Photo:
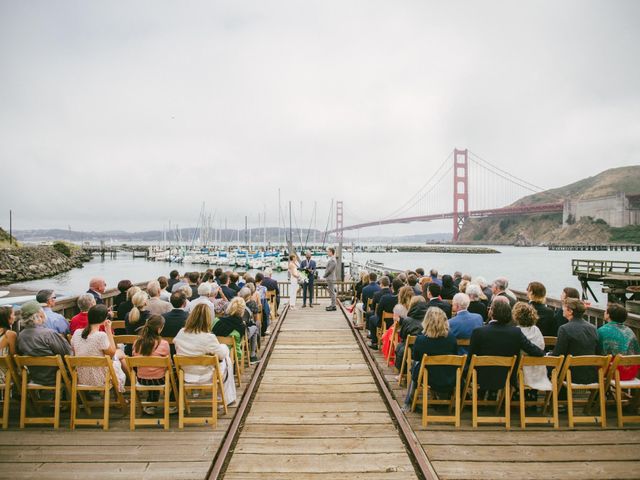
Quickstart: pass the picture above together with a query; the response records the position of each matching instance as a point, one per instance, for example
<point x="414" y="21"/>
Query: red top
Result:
<point x="80" y="321"/>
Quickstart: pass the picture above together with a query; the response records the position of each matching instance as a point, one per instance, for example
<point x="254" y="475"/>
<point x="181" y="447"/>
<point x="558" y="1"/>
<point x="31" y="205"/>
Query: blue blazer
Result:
<point x="463" y="324"/>
<point x="309" y="267"/>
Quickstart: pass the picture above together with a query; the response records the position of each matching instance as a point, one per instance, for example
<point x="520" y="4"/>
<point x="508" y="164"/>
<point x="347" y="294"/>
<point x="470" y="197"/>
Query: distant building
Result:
<point x="617" y="210"/>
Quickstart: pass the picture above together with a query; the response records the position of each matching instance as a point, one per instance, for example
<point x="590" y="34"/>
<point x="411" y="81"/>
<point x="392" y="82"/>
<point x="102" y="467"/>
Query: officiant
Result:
<point x="308" y="266"/>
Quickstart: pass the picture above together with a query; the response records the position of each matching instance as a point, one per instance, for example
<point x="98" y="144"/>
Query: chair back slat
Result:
<point x="626" y="360"/>
<point x="75" y="362"/>
<point x="117" y="324"/>
<point x="49" y="361"/>
<point x="200" y="360"/>
<point x="450" y="360"/>
<point x="600" y="361"/>
<point x="550" y="341"/>
<point x="126" y="339"/>
<point x="493" y="361"/>
<point x="554" y="362"/>
<point x="142" y="361"/>
<point x="464" y="342"/>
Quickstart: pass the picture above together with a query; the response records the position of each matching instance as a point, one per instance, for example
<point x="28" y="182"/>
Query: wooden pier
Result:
<point x="320" y="405"/>
<point x="604" y="247"/>
<point x="620" y="279"/>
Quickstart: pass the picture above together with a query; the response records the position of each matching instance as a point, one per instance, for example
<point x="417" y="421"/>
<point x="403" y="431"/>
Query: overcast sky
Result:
<point x="128" y="114"/>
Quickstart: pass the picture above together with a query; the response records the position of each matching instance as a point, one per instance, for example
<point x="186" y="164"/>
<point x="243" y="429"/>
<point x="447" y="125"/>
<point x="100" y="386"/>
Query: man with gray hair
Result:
<point x="206" y="294"/>
<point x="54" y="321"/>
<point x="499" y="288"/>
<point x="35" y="340"/>
<point x="156" y="305"/>
<point x="97" y="287"/>
<point x="463" y="323"/>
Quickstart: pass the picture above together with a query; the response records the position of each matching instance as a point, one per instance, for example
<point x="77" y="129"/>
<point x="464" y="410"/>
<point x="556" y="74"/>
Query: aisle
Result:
<point x="317" y="411"/>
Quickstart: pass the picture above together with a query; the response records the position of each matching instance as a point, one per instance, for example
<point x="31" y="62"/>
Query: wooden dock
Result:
<point x="318" y="411"/>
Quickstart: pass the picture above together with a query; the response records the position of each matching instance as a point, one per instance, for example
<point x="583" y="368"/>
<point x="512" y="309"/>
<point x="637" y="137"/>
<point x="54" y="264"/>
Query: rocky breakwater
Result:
<point x="21" y="264"/>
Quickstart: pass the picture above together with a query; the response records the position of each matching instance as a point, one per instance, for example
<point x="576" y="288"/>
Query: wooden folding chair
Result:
<point x="77" y="389"/>
<point x="595" y="389"/>
<point x="405" y="366"/>
<point x="463" y="342"/>
<point x="422" y="388"/>
<point x="383" y="326"/>
<point x="550" y="342"/>
<point x="623" y="388"/>
<point x="233" y="353"/>
<point x="184" y="402"/>
<point x="117" y="324"/>
<point x="125" y="339"/>
<point x="369" y="304"/>
<point x="504" y="395"/>
<point x="136" y="388"/>
<point x="551" y="394"/>
<point x="10" y="378"/>
<point x="28" y="389"/>
<point x="393" y="341"/>
<point x="246" y="351"/>
<point x="273" y="303"/>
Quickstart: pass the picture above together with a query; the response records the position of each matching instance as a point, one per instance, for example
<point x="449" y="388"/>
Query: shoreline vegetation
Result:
<point x="19" y="263"/>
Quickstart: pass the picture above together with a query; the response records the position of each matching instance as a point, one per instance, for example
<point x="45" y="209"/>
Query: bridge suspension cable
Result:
<point x="419" y="195"/>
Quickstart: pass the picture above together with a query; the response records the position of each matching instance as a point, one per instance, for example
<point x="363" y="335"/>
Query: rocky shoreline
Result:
<point x="22" y="264"/>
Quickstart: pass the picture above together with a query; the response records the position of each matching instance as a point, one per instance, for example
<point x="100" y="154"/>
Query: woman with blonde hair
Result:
<point x="435" y="340"/>
<point x="196" y="339"/>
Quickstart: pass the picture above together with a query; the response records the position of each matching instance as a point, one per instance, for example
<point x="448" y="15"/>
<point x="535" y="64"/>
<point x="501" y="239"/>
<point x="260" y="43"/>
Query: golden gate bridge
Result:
<point x="473" y="182"/>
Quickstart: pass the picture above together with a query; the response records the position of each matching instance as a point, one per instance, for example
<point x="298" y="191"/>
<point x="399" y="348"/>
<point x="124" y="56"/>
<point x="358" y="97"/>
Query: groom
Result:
<point x="330" y="277"/>
<point x="309" y="267"/>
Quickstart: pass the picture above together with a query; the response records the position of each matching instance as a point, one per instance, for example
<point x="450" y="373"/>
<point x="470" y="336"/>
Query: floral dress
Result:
<point x="94" y="346"/>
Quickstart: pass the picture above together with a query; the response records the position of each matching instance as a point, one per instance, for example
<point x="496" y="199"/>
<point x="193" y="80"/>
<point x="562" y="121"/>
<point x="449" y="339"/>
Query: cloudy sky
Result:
<point x="128" y="114"/>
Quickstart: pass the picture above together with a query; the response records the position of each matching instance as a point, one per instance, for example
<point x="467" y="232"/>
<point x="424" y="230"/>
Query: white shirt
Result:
<point x="195" y="344"/>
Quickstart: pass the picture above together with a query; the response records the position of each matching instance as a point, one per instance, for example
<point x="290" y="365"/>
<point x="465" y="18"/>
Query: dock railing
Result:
<point x="597" y="269"/>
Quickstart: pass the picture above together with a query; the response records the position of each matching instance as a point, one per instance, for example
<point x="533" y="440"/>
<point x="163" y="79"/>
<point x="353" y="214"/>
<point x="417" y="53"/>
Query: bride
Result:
<point x="294" y="277"/>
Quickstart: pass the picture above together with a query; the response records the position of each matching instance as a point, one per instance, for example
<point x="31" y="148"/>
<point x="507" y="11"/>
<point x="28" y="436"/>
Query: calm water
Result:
<point x="520" y="265"/>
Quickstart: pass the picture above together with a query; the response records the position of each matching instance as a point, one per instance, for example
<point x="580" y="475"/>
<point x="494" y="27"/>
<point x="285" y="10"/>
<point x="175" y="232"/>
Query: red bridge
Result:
<point x="490" y="176"/>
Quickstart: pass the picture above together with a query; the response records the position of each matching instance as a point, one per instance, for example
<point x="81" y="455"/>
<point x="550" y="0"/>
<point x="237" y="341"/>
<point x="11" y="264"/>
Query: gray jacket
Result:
<point x="330" y="270"/>
<point x="39" y="341"/>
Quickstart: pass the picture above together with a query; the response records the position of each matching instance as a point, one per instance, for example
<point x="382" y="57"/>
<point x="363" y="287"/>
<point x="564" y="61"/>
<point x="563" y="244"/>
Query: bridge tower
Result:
<point x="460" y="190"/>
<point x="339" y="237"/>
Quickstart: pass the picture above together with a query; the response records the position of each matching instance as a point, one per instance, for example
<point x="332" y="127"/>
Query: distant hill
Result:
<point x="609" y="182"/>
<point x="547" y="228"/>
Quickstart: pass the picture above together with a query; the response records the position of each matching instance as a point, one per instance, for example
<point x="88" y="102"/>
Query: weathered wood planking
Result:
<point x="318" y="412"/>
<point x="535" y="454"/>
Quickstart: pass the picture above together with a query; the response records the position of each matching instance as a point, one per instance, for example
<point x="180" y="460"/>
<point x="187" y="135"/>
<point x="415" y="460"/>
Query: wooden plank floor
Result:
<point x="490" y="452"/>
<point x="146" y="453"/>
<point x="317" y="413"/>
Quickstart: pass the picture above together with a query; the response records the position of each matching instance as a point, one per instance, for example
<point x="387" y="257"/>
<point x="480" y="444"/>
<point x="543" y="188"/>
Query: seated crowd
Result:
<point x="192" y="310"/>
<point x="458" y="315"/>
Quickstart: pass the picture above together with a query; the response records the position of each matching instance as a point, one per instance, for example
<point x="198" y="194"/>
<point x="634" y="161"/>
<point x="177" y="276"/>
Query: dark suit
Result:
<point x="386" y="304"/>
<point x="442" y="305"/>
<point x="229" y="293"/>
<point x="499" y="340"/>
<point x="272" y="286"/>
<point x="97" y="296"/>
<point x="578" y="337"/>
<point x="368" y="292"/>
<point x="478" y="307"/>
<point x="309" y="267"/>
<point x="174" y="320"/>
<point x="546" y="321"/>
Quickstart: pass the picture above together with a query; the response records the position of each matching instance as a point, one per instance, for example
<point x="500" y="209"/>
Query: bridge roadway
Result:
<point x="318" y="412"/>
